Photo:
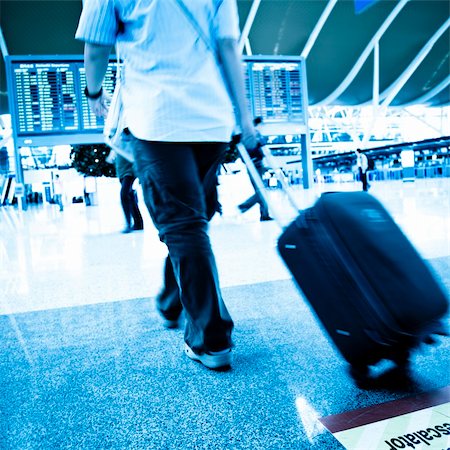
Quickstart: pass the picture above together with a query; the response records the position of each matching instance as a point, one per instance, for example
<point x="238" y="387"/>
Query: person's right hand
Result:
<point x="100" y="106"/>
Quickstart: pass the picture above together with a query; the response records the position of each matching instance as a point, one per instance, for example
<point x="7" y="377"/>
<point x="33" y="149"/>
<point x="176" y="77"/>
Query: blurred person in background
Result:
<point x="257" y="158"/>
<point x="58" y="192"/>
<point x="128" y="196"/>
<point x="362" y="164"/>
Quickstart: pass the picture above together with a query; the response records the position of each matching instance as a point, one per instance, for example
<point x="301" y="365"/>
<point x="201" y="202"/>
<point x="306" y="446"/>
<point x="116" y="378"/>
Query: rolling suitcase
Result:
<point x="373" y="293"/>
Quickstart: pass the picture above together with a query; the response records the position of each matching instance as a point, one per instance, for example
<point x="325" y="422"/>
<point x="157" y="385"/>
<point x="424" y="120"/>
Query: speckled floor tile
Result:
<point x="86" y="364"/>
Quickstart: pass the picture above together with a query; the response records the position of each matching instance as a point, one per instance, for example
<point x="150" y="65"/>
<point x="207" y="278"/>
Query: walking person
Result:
<point x="58" y="191"/>
<point x="178" y="102"/>
<point x="257" y="158"/>
<point x="128" y="196"/>
<point x="362" y="163"/>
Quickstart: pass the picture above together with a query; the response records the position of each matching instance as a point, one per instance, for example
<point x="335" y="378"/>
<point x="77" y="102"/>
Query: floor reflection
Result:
<point x="52" y="259"/>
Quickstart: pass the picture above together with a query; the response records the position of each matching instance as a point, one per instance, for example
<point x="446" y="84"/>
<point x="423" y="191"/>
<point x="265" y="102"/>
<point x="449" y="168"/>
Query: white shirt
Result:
<point x="172" y="88"/>
<point x="57" y="186"/>
<point x="362" y="161"/>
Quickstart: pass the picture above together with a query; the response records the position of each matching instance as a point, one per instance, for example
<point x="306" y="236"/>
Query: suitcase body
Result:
<point x="371" y="290"/>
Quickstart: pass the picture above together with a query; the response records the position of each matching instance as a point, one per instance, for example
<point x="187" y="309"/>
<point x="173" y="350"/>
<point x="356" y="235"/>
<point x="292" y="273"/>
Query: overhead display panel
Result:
<point x="276" y="91"/>
<point x="46" y="98"/>
<point x="47" y="103"/>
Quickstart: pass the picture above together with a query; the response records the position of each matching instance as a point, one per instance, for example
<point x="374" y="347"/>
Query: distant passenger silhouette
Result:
<point x="257" y="158"/>
<point x="362" y="163"/>
<point x="128" y="196"/>
<point x="58" y="191"/>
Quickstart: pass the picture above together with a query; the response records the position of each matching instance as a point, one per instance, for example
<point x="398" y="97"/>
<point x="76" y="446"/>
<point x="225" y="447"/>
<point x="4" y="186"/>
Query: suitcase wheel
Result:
<point x="402" y="358"/>
<point x="359" y="373"/>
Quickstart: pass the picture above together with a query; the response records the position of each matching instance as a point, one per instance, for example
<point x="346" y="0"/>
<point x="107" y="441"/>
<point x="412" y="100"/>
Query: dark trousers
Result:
<point x="59" y="201"/>
<point x="363" y="178"/>
<point x="179" y="181"/>
<point x="256" y="197"/>
<point x="128" y="198"/>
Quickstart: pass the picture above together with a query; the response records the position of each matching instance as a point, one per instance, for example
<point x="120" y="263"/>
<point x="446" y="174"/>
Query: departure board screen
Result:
<point x="276" y="89"/>
<point x="46" y="98"/>
<point x="48" y="105"/>
<point x="47" y="102"/>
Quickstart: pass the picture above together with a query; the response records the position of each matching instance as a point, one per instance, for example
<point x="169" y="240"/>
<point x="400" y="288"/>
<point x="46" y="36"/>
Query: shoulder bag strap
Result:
<point x="196" y="26"/>
<point x="118" y="66"/>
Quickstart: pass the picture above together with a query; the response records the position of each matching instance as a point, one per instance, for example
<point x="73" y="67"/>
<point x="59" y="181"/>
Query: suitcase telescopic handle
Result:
<point x="259" y="183"/>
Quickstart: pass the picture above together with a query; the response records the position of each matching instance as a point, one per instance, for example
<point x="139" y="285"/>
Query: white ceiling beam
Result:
<point x="3" y="47"/>
<point x="248" y="24"/>
<point x="439" y="132"/>
<point x="364" y="55"/>
<point x="376" y="76"/>
<point x="318" y="28"/>
<point x="396" y="87"/>
<point x="248" y="48"/>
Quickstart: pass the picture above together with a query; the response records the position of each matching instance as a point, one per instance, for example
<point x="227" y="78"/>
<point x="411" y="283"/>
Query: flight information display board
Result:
<point x="48" y="106"/>
<point x="47" y="103"/>
<point x="276" y="91"/>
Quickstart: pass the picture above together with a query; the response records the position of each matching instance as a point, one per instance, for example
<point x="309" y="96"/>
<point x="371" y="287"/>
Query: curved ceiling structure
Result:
<point x="400" y="27"/>
<point x="410" y="37"/>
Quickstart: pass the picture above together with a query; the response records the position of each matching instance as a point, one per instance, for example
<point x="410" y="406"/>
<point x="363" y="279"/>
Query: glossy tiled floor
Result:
<point x="106" y="374"/>
<point x="52" y="259"/>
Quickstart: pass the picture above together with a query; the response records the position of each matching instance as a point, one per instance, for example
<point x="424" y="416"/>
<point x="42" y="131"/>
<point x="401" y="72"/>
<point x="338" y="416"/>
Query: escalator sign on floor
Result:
<point x="424" y="429"/>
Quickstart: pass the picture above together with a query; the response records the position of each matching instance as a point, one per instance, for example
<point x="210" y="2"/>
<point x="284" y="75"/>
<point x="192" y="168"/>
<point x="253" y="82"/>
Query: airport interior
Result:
<point x="85" y="359"/>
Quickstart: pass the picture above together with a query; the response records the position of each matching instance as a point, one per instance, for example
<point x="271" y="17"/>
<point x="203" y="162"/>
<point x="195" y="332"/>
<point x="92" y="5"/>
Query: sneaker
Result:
<point x="211" y="360"/>
<point x="265" y="218"/>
